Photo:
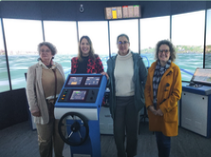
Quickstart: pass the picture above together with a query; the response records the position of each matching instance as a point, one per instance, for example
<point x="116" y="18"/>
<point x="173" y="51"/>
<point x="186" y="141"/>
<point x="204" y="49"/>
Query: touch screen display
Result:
<point x="78" y="95"/>
<point x="202" y="76"/>
<point x="73" y="81"/>
<point x="90" y="81"/>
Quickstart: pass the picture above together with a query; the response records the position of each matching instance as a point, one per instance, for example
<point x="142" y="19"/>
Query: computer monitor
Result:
<point x="78" y="95"/>
<point x="74" y="81"/>
<point x="202" y="76"/>
<point x="92" y="81"/>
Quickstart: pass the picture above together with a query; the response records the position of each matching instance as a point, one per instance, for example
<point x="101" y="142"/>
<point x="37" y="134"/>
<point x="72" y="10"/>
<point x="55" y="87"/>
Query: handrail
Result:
<point x="147" y="60"/>
<point x="186" y="71"/>
<point x="180" y="68"/>
<point x="143" y="56"/>
<point x="67" y="71"/>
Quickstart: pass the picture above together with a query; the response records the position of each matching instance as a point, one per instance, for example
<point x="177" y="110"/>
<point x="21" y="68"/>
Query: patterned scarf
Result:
<point x="159" y="71"/>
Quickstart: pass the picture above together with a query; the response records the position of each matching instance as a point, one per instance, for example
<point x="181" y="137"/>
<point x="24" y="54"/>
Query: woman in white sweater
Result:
<point x="127" y="76"/>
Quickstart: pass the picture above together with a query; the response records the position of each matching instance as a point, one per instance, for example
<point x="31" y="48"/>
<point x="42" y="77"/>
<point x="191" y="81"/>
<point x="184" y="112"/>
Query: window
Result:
<point x="63" y="35"/>
<point x="22" y="38"/>
<point x="4" y="82"/>
<point x="128" y="27"/>
<point x="98" y="33"/>
<point x="208" y="41"/>
<point x="152" y="31"/>
<point x="188" y="39"/>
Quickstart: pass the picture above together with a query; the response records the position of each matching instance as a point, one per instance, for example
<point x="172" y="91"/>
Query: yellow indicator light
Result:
<point x="114" y="14"/>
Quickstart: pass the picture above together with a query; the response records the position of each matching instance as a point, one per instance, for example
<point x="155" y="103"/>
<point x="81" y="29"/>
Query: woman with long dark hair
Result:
<point x="86" y="61"/>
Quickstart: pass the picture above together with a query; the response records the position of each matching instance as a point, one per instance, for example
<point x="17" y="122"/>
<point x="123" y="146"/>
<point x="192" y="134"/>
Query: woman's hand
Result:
<point x="36" y="113"/>
<point x="159" y="112"/>
<point x="104" y="73"/>
<point x="152" y="109"/>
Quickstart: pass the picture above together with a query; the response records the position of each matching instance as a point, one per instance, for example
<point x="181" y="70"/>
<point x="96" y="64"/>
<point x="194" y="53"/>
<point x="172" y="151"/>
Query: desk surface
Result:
<point x="196" y="88"/>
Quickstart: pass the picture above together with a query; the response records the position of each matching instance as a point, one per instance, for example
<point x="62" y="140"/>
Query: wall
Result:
<point x="69" y="10"/>
<point x="13" y="108"/>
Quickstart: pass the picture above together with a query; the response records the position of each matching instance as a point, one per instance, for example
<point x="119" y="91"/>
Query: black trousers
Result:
<point x="126" y="120"/>
<point x="163" y="144"/>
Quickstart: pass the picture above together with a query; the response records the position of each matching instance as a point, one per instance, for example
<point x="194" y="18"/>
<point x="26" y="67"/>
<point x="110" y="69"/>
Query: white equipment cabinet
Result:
<point x="194" y="112"/>
<point x="196" y="109"/>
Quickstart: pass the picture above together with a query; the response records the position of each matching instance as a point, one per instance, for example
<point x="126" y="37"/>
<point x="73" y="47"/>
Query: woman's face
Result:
<point x="45" y="53"/>
<point x="85" y="47"/>
<point x="123" y="45"/>
<point x="164" y="53"/>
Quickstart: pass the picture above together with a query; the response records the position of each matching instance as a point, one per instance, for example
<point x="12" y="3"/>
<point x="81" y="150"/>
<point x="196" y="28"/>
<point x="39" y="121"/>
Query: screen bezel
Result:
<point x="82" y="81"/>
<point x="70" y="100"/>
<point x="100" y="77"/>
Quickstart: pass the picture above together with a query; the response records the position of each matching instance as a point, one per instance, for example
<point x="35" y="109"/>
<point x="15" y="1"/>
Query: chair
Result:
<point x="143" y="116"/>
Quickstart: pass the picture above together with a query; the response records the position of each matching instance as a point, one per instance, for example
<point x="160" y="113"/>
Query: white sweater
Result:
<point x="123" y="75"/>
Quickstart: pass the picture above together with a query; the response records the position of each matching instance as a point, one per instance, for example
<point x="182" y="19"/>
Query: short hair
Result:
<point x="171" y="49"/>
<point x="91" y="52"/>
<point x="49" y="45"/>
<point x="122" y="35"/>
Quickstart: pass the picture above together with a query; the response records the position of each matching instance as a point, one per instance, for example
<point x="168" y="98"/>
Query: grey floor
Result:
<point x="20" y="141"/>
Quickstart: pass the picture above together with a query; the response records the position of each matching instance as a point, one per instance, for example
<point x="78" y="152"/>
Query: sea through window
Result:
<point x="208" y="41"/>
<point x="152" y="31"/>
<point x="22" y="38"/>
<point x="128" y="27"/>
<point x="4" y="82"/>
<point x="63" y="35"/>
<point x="188" y="39"/>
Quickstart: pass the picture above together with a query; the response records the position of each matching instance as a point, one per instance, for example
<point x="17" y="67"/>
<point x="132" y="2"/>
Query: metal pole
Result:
<point x="6" y="55"/>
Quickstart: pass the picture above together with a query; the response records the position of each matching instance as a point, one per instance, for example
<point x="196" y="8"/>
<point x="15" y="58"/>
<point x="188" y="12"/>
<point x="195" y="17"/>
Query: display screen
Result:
<point x="78" y="95"/>
<point x="92" y="81"/>
<point x="202" y="76"/>
<point x="75" y="81"/>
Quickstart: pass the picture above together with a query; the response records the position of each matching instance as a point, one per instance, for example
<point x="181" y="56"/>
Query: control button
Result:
<point x="62" y="98"/>
<point x="64" y="95"/>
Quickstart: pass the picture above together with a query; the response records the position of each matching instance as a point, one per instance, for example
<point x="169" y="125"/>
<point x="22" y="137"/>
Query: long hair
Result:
<point x="91" y="52"/>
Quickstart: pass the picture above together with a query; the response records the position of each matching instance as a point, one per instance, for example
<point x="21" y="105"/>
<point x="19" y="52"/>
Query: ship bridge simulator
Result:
<point x="78" y="108"/>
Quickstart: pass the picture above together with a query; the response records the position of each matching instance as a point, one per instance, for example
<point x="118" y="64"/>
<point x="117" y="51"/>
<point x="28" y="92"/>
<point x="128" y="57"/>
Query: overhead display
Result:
<point x="78" y="95"/>
<point x="202" y="76"/>
<point x="92" y="81"/>
<point x="74" y="81"/>
<point x="121" y="12"/>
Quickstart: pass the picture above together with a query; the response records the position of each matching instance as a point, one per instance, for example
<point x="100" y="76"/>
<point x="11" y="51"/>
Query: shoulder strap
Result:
<point x="35" y="82"/>
<point x="54" y="71"/>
